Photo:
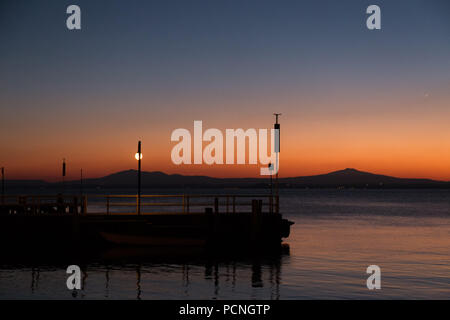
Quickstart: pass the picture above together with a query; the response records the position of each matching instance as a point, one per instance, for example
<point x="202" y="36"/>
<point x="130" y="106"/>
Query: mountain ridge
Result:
<point x="348" y="177"/>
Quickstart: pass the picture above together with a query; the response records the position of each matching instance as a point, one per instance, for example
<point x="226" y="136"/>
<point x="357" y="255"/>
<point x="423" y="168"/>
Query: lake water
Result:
<point x="337" y="234"/>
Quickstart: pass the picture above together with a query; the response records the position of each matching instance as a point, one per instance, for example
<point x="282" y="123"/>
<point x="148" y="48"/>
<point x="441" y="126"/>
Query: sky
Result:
<point x="375" y="100"/>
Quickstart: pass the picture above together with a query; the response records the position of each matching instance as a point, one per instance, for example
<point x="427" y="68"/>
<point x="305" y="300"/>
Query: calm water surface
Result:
<point x="337" y="234"/>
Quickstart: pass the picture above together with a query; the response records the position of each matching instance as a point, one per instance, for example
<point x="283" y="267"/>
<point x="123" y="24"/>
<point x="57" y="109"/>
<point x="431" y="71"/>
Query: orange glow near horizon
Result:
<point x="314" y="140"/>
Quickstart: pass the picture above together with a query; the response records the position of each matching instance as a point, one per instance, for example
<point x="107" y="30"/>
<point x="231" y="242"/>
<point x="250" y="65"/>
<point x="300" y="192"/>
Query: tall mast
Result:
<point x="276" y="126"/>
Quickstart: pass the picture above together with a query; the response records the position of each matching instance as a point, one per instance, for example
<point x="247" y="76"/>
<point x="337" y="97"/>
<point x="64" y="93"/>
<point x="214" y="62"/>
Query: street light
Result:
<point x="138" y="157"/>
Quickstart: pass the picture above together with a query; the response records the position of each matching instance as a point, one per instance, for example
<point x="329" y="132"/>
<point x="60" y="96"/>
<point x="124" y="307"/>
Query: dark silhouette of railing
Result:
<point x="43" y="204"/>
<point x="129" y="204"/>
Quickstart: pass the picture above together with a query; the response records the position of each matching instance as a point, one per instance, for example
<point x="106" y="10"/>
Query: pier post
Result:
<point x="85" y="204"/>
<point x="60" y="202"/>
<point x="271" y="204"/>
<point x="256" y="206"/>
<point x="75" y="205"/>
<point x="33" y="210"/>
<point x="228" y="199"/>
<point x="63" y="175"/>
<point x="216" y="205"/>
<point x="187" y="204"/>
<point x="184" y="204"/>
<point x="256" y="219"/>
<point x="277" y="206"/>
<point x="234" y="204"/>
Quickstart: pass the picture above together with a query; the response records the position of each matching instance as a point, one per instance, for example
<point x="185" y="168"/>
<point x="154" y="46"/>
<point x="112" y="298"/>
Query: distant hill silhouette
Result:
<point x="342" y="178"/>
<point x="353" y="177"/>
<point x="128" y="178"/>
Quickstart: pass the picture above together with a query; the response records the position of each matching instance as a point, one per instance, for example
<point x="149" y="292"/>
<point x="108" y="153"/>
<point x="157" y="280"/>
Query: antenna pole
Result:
<point x="81" y="192"/>
<point x="271" y="186"/>
<point x="276" y="126"/>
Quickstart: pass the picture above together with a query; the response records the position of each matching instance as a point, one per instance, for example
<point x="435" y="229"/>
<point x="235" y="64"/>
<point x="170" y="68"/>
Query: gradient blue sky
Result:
<point x="139" y="69"/>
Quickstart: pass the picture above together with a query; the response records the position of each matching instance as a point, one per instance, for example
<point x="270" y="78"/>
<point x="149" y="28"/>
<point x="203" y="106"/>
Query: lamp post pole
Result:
<point x="139" y="177"/>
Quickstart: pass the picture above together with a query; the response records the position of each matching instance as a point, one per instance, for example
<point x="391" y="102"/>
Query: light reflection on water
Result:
<point x="336" y="235"/>
<point x="162" y="279"/>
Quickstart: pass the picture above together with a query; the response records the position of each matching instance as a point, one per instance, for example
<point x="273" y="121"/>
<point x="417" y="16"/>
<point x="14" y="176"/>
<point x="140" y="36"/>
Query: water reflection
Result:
<point x="138" y="282"/>
<point x="34" y="279"/>
<point x="109" y="273"/>
<point x="106" y="282"/>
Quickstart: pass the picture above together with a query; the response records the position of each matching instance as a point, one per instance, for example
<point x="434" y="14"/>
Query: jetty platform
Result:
<point x="227" y="221"/>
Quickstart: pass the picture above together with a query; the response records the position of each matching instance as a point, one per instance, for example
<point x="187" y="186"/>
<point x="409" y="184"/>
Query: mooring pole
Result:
<point x="139" y="177"/>
<point x="3" y="184"/>
<point x="81" y="190"/>
<point x="63" y="174"/>
<point x="81" y="182"/>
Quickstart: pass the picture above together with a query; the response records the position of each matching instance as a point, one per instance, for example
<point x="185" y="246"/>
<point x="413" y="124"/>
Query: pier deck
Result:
<point x="163" y="220"/>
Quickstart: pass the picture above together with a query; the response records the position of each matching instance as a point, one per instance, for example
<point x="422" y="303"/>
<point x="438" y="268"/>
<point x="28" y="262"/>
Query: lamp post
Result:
<point x="138" y="157"/>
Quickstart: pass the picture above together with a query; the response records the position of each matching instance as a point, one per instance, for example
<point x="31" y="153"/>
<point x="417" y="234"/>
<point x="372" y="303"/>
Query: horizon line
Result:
<point x="223" y="178"/>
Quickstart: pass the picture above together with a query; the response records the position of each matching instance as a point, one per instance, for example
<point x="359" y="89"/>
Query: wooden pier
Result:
<point x="163" y="220"/>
